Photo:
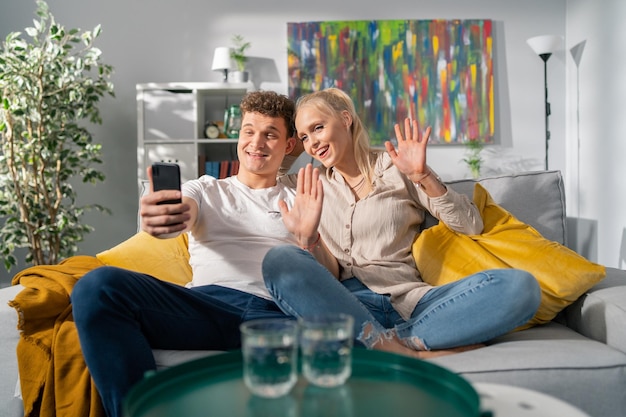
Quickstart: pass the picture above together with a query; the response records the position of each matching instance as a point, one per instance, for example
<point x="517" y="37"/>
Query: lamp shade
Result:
<point x="577" y="51"/>
<point x="545" y="44"/>
<point x="221" y="59"/>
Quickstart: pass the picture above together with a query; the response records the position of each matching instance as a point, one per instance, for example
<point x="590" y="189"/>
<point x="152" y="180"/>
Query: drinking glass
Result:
<point x="270" y="356"/>
<point x="326" y="343"/>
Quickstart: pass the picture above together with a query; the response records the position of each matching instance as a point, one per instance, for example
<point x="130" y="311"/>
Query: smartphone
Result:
<point x="166" y="176"/>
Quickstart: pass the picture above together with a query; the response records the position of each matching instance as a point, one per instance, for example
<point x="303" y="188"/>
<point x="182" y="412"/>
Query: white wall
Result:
<point x="174" y="41"/>
<point x="596" y="168"/>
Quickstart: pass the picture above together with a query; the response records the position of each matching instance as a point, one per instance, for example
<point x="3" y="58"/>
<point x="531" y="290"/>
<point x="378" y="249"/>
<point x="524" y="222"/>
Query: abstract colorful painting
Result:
<point x="439" y="72"/>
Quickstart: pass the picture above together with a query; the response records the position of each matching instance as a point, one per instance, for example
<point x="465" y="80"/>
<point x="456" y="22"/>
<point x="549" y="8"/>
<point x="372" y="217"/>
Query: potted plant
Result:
<point x="238" y="54"/>
<point x="50" y="86"/>
<point x="473" y="158"/>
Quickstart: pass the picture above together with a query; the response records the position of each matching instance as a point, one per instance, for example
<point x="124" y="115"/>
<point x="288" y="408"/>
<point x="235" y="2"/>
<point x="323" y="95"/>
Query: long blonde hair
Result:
<point x="333" y="102"/>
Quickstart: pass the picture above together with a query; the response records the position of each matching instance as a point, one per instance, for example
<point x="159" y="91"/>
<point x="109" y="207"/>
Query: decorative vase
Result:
<point x="239" y="76"/>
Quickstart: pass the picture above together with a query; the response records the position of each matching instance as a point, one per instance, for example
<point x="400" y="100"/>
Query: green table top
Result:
<point x="382" y="384"/>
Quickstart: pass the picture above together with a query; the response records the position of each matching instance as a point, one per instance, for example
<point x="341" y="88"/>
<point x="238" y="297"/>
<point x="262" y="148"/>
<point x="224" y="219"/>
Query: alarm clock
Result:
<point x="211" y="130"/>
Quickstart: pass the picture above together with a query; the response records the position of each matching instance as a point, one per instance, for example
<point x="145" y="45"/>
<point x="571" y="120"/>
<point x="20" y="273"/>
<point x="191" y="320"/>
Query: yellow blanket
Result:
<point x="54" y="379"/>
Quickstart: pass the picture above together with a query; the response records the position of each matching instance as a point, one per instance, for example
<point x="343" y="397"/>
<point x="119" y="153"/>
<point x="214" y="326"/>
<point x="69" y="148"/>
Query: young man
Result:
<point x="122" y="315"/>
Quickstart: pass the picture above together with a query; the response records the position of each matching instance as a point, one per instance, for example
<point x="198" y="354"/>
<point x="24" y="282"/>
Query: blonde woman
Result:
<point x="373" y="205"/>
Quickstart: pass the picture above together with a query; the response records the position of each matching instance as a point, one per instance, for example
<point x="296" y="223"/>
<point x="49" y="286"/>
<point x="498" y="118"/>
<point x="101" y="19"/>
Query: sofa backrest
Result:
<point x="535" y="198"/>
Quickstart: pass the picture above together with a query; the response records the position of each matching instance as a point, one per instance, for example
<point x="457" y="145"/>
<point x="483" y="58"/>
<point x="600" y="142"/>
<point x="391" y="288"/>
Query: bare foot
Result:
<point x="394" y="345"/>
<point x="443" y="352"/>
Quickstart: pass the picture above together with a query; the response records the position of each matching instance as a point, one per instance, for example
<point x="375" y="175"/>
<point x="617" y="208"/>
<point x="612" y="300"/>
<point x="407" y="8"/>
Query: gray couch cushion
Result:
<point x="168" y="358"/>
<point x="600" y="314"/>
<point x="552" y="359"/>
<point x="535" y="198"/>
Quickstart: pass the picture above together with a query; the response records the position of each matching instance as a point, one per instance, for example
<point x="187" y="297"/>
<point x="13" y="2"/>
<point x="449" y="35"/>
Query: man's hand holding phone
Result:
<point x="163" y="214"/>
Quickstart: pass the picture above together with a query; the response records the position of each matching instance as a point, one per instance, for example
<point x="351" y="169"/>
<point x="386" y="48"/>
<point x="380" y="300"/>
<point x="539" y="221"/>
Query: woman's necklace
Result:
<point x="357" y="187"/>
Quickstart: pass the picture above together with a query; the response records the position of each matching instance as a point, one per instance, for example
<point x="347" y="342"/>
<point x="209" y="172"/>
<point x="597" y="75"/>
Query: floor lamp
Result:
<point x="544" y="46"/>
<point x="577" y="53"/>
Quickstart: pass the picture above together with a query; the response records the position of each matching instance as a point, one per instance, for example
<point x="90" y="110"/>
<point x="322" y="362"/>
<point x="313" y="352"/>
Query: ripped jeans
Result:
<point x="472" y="310"/>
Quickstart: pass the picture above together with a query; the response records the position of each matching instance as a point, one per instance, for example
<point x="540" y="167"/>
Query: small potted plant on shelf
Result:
<point x="238" y="54"/>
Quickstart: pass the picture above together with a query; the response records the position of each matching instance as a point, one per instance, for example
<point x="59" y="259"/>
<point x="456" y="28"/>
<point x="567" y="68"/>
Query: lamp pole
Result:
<point x="545" y="58"/>
<point x="544" y="46"/>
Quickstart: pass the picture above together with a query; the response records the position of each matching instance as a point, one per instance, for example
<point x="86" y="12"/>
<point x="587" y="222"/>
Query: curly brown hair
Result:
<point x="271" y="104"/>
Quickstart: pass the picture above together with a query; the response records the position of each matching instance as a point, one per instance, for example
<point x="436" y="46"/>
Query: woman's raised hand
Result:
<point x="304" y="217"/>
<point x="410" y="157"/>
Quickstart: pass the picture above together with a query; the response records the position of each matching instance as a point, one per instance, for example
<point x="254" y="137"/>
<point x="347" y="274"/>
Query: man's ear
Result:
<point x="291" y="144"/>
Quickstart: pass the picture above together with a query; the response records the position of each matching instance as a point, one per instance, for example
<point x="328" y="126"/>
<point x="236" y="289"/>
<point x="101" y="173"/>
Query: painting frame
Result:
<point x="438" y="72"/>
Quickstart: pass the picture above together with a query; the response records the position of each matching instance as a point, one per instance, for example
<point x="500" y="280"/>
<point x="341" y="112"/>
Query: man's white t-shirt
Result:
<point x="236" y="227"/>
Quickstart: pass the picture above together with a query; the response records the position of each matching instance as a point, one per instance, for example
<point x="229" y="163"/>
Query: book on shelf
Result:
<point x="234" y="167"/>
<point x="221" y="169"/>
<point x="201" y="165"/>
<point x="224" y="169"/>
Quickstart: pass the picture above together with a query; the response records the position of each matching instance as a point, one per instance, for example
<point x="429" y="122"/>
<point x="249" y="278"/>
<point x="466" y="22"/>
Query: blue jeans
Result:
<point x="472" y="310"/>
<point x="122" y="315"/>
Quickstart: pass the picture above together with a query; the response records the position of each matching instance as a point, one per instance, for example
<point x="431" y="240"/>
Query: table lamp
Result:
<point x="222" y="61"/>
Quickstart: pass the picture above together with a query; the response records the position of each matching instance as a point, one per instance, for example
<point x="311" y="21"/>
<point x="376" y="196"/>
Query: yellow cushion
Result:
<point x="166" y="259"/>
<point x="444" y="256"/>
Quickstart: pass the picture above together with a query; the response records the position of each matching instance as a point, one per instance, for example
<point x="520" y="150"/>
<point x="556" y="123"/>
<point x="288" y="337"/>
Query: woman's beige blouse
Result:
<point x="372" y="238"/>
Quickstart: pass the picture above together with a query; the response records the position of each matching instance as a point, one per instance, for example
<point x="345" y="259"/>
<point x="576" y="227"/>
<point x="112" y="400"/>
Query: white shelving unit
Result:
<point x="170" y="124"/>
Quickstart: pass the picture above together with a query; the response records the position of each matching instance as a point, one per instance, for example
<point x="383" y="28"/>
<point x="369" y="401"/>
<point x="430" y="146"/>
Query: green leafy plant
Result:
<point x="238" y="53"/>
<point x="49" y="87"/>
<point x="473" y="158"/>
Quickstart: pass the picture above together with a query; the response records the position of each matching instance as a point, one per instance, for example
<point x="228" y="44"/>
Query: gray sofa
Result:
<point x="580" y="357"/>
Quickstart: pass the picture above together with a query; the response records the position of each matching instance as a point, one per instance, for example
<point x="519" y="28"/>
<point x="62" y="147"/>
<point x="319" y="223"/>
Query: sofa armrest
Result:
<point x="600" y="313"/>
<point x="9" y="336"/>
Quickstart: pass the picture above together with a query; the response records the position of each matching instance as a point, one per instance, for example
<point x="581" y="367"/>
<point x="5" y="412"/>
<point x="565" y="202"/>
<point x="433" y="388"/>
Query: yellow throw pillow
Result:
<point x="443" y="256"/>
<point x="165" y="259"/>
